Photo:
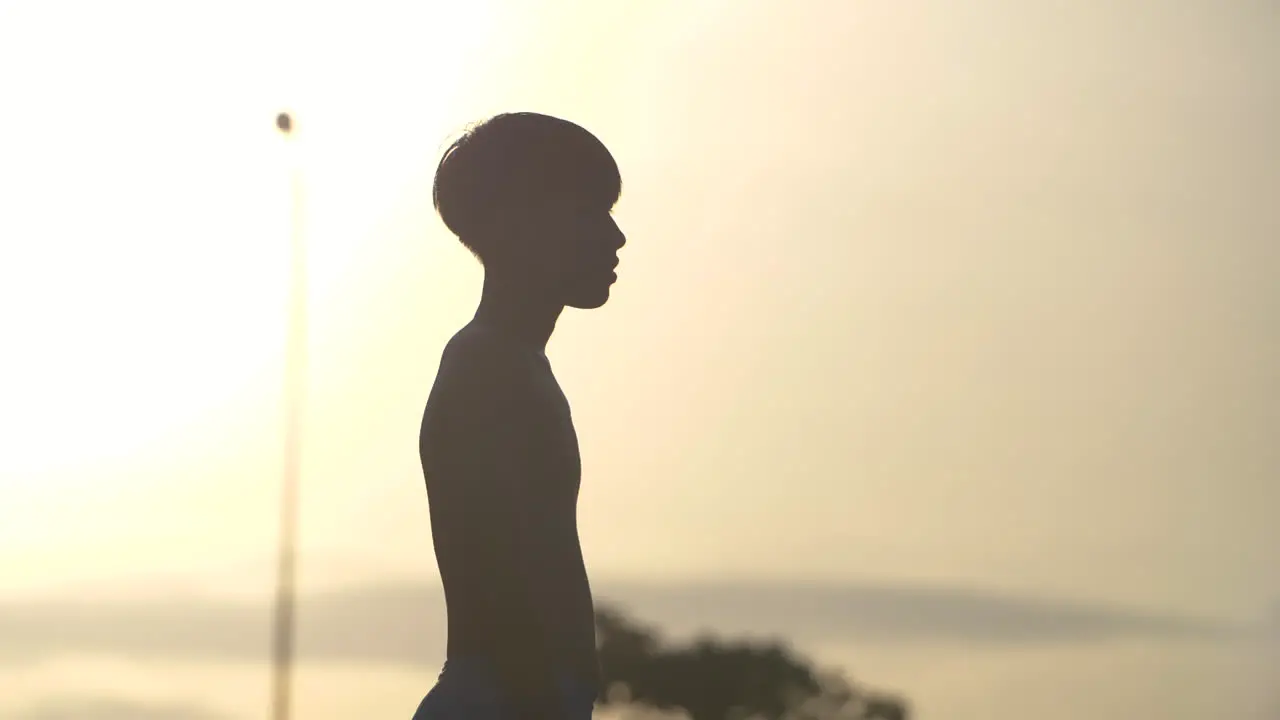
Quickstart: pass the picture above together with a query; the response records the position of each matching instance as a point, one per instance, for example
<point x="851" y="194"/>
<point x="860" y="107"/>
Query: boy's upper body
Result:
<point x="531" y="196"/>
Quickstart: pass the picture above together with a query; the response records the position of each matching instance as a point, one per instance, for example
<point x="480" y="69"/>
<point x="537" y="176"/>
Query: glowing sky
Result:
<point x="981" y="293"/>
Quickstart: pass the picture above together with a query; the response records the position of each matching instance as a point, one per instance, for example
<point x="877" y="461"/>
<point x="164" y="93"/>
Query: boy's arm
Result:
<point x="488" y="455"/>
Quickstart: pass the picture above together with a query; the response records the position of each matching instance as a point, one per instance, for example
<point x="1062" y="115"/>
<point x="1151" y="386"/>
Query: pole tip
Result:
<point x="284" y="122"/>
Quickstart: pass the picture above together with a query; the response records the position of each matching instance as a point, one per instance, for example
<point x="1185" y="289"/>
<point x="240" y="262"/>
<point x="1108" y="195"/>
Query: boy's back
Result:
<point x="502" y="468"/>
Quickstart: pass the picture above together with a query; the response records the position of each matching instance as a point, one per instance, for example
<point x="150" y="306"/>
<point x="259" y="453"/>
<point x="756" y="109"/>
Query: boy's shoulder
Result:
<point x="482" y="377"/>
<point x="476" y="348"/>
<point x="478" y="359"/>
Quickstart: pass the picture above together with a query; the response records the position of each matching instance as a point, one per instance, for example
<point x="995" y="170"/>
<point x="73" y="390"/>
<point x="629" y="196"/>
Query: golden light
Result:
<point x="147" y="195"/>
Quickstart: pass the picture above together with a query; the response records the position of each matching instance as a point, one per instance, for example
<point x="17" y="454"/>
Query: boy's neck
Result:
<point x="511" y="308"/>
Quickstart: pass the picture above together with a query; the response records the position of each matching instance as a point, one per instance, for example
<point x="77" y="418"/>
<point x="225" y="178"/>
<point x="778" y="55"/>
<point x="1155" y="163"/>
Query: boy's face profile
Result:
<point x="574" y="253"/>
<point x="530" y="195"/>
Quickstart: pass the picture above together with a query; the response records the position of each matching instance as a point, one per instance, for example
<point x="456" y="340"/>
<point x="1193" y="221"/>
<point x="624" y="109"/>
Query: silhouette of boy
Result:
<point x="530" y="195"/>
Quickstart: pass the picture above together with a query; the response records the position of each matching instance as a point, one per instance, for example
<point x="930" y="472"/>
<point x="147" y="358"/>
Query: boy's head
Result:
<point x="530" y="195"/>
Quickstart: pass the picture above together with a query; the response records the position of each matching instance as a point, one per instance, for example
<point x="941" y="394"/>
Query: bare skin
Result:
<point x="500" y="455"/>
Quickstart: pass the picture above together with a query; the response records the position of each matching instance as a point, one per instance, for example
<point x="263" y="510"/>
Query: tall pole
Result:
<point x="282" y="648"/>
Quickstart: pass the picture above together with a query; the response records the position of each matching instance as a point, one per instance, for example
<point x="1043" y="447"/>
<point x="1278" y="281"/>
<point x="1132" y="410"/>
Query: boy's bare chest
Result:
<point x="557" y="438"/>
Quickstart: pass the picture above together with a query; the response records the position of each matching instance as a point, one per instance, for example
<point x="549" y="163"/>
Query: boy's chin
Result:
<point x="588" y="300"/>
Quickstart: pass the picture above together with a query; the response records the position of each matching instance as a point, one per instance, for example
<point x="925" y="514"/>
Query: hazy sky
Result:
<point x="977" y="293"/>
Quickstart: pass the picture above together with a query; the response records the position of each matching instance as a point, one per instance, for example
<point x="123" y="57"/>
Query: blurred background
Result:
<point x="946" y="345"/>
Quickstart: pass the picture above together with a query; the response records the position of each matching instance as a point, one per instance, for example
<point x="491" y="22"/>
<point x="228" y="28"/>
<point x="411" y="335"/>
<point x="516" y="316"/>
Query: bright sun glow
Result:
<point x="144" y="266"/>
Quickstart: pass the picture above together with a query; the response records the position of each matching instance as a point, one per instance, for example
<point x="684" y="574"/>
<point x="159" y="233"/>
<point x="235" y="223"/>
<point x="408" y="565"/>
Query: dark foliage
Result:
<point x="714" y="679"/>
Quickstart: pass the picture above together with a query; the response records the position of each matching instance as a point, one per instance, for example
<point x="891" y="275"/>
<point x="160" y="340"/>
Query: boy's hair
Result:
<point x="515" y="162"/>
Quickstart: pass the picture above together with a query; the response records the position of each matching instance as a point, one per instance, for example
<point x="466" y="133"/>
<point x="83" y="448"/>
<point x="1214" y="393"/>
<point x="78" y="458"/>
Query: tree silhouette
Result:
<point x="713" y="679"/>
